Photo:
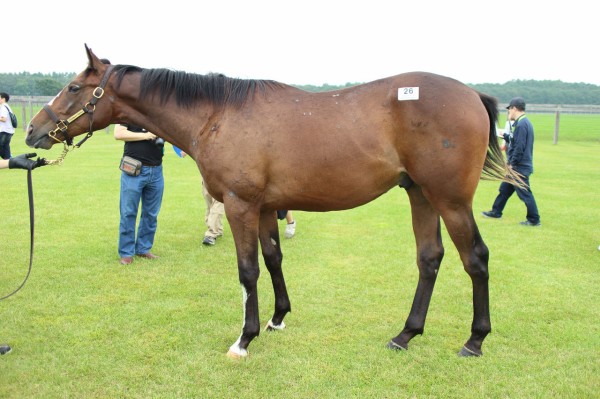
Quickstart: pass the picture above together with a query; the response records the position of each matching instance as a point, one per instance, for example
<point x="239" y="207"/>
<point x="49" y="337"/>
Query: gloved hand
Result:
<point x="506" y="137"/>
<point x="23" y="162"/>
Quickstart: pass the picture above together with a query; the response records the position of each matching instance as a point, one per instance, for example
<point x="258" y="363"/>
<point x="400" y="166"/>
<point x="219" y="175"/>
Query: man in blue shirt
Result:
<point x="520" y="157"/>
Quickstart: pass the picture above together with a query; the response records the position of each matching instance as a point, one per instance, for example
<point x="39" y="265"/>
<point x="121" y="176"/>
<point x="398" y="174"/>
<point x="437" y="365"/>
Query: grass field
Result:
<point x="86" y="327"/>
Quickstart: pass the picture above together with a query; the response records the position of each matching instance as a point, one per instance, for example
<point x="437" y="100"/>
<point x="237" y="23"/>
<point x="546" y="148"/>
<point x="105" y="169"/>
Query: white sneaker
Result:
<point x="290" y="230"/>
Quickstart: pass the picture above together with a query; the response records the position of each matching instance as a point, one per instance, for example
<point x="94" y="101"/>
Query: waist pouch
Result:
<point x="131" y="166"/>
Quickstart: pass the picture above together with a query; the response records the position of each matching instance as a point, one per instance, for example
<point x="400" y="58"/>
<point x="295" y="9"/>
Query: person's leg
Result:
<point x="290" y="227"/>
<point x="152" y="195"/>
<point x="505" y="191"/>
<point x="4" y="145"/>
<point x="10" y="136"/>
<point x="214" y="221"/>
<point x="526" y="195"/>
<point x="289" y="217"/>
<point x="129" y="202"/>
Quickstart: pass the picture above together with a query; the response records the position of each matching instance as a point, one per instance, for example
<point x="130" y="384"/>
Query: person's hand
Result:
<point x="506" y="137"/>
<point x="23" y="161"/>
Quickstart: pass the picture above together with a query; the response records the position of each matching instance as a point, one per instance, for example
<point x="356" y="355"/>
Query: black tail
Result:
<point x="495" y="166"/>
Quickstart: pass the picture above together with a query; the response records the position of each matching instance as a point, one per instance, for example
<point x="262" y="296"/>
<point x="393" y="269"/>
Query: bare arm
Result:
<point x="121" y="133"/>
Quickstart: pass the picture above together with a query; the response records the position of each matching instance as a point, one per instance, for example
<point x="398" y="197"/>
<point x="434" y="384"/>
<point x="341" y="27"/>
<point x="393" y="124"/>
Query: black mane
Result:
<point x="189" y="88"/>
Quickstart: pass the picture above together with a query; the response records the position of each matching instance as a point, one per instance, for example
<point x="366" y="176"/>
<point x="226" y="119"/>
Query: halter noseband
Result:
<point x="89" y="108"/>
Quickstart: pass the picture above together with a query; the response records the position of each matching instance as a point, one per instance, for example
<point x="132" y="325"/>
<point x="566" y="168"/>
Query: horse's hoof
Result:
<point x="236" y="356"/>
<point x="395" y="346"/>
<point x="237" y="353"/>
<point x="466" y="352"/>
<point x="272" y="327"/>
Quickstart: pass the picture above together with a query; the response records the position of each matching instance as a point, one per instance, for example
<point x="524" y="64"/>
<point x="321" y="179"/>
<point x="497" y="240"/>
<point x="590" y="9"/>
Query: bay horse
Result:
<point x="262" y="145"/>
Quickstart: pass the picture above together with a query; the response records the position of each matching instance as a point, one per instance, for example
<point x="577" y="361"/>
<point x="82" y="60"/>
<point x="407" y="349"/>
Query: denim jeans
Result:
<point x="506" y="190"/>
<point x="148" y="188"/>
<point x="5" y="139"/>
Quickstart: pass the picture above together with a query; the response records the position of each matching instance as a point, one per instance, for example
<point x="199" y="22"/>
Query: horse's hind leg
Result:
<point x="271" y="250"/>
<point x="474" y="254"/>
<point x="426" y="227"/>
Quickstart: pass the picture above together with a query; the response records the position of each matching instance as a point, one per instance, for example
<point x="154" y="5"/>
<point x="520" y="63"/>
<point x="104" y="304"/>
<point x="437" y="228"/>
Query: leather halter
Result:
<point x="89" y="108"/>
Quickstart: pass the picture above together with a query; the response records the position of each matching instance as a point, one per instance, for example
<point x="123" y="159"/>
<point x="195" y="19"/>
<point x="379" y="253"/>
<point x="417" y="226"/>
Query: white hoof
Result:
<point x="235" y="352"/>
<point x="270" y="326"/>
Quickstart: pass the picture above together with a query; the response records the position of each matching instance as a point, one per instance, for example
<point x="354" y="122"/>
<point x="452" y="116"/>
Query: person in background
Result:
<point x="19" y="162"/>
<point x="290" y="227"/>
<point x="520" y="158"/>
<point x="213" y="218"/>
<point x="6" y="128"/>
<point x="146" y="187"/>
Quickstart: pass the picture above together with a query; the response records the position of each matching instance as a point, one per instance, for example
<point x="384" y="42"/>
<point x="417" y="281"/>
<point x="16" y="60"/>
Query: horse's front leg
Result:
<point x="243" y="221"/>
<point x="268" y="235"/>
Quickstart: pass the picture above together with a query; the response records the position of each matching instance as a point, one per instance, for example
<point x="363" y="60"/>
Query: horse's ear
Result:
<point x="94" y="62"/>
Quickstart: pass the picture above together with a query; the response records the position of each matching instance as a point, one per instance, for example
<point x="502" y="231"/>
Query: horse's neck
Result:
<point x="179" y="126"/>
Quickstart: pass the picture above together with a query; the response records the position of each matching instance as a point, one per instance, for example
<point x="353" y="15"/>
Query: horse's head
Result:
<point x="81" y="107"/>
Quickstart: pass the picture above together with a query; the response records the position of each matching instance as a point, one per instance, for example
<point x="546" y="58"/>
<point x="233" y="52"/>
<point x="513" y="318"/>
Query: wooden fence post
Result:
<point x="23" y="122"/>
<point x="556" y="124"/>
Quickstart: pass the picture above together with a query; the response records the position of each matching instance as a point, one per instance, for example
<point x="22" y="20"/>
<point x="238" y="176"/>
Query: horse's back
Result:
<point x="340" y="149"/>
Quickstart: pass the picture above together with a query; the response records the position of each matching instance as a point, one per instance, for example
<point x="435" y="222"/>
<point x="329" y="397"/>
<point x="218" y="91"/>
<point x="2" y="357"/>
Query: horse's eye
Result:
<point x="73" y="88"/>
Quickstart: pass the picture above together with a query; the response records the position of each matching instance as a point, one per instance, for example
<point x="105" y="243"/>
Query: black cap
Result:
<point x="517" y="102"/>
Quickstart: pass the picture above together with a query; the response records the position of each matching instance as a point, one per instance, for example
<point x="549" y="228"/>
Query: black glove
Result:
<point x="23" y="162"/>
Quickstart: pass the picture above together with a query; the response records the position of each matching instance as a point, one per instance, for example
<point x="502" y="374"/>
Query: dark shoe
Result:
<point x="4" y="349"/>
<point x="491" y="214"/>
<point x="127" y="260"/>
<point x="148" y="255"/>
<point x="531" y="224"/>
<point x="209" y="240"/>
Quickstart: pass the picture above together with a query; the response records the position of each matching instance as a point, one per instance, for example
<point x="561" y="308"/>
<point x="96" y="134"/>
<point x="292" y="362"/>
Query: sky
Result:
<point x="311" y="42"/>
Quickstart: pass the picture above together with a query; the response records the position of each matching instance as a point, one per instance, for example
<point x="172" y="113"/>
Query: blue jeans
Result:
<point x="148" y="188"/>
<point x="506" y="191"/>
<point x="5" y="139"/>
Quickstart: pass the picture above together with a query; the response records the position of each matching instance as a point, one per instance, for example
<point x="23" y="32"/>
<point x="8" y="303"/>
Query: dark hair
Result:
<point x="5" y="96"/>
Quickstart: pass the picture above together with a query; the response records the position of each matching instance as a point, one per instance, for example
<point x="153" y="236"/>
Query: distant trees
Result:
<point x="34" y="84"/>
<point x="543" y="91"/>
<point x="534" y="91"/>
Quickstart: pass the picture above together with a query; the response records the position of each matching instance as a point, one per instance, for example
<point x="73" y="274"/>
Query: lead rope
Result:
<point x="57" y="162"/>
<point x="98" y="93"/>
<point x="31" y="230"/>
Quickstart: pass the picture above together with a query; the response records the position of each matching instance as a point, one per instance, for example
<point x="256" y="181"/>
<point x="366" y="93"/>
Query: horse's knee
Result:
<point x="273" y="259"/>
<point x="429" y="261"/>
<point x="248" y="275"/>
<point x="477" y="267"/>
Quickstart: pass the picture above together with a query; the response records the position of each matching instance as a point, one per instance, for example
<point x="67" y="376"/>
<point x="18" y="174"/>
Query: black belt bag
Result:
<point x="131" y="166"/>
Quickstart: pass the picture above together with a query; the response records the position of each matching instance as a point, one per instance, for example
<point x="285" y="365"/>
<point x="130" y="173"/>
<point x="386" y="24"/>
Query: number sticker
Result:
<point x="408" y="93"/>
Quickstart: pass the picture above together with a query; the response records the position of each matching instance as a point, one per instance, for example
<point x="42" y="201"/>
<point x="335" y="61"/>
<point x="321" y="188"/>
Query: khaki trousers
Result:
<point x="214" y="215"/>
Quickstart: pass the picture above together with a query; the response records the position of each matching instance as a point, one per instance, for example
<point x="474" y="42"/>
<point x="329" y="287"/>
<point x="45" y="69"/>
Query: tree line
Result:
<point x="534" y="91"/>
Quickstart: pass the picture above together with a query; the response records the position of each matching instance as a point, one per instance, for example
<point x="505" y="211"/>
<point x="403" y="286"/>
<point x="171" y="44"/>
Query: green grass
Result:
<point x="86" y="327"/>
